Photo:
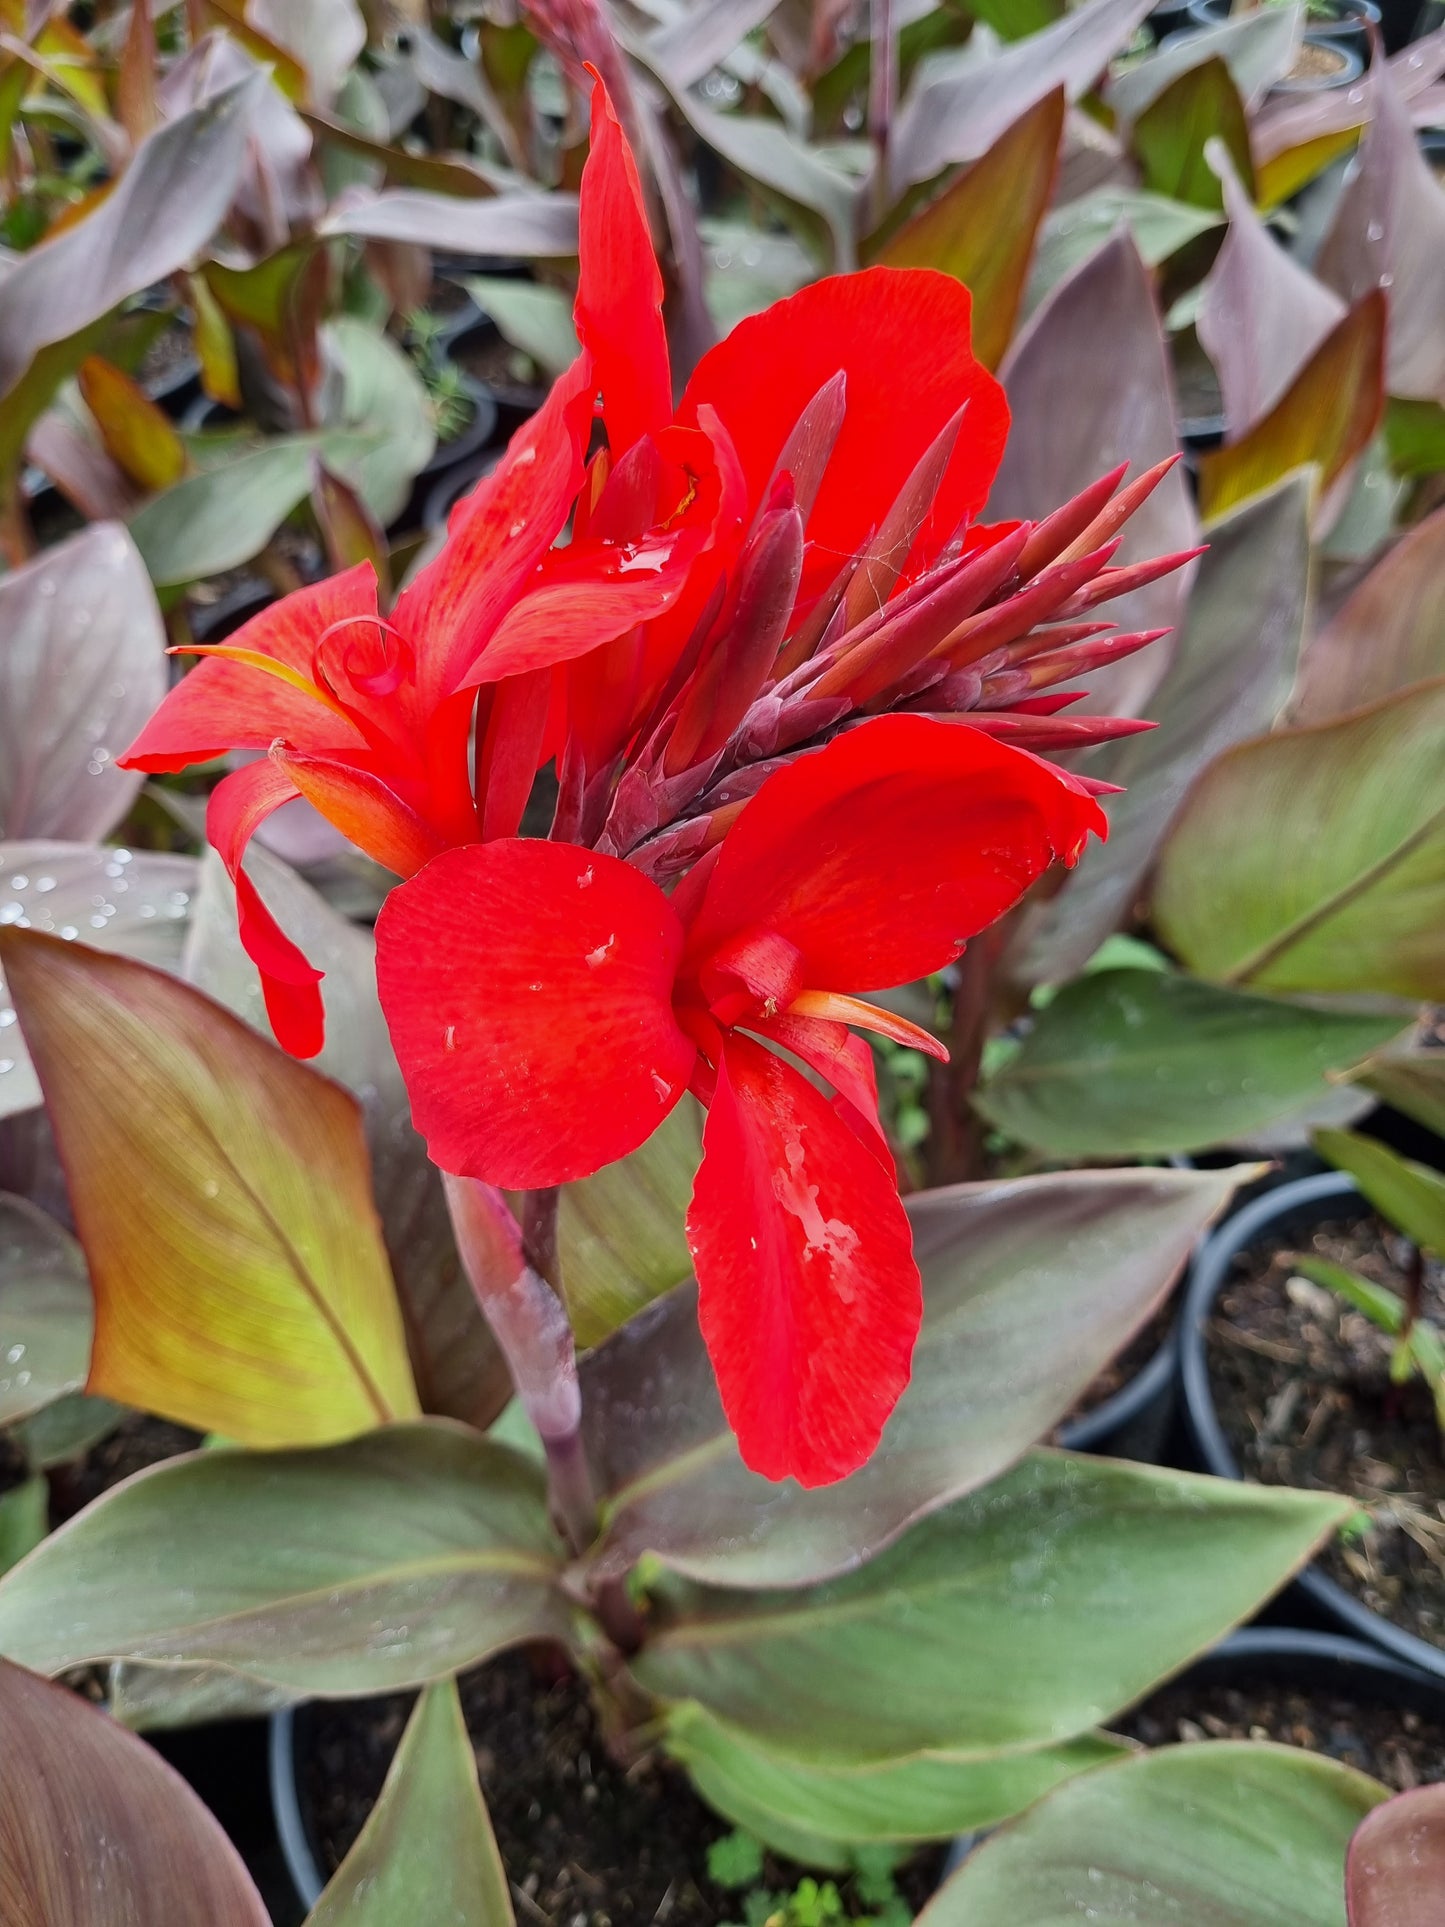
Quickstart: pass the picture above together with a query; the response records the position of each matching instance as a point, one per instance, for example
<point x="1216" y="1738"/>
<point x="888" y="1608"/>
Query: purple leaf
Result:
<point x="1261" y="315"/>
<point x="133" y="902"/>
<point x="959" y="105"/>
<point x="278" y="191"/>
<point x="82" y="666"/>
<point x="1257" y="48"/>
<point x="1395" y="1868"/>
<point x="704" y="35"/>
<point x="164" y="209"/>
<point x="1388" y="634"/>
<point x="1291" y="121"/>
<point x="1390" y="232"/>
<point x="529" y="225"/>
<point x="99" y="1831"/>
<point x="325" y="36"/>
<point x="1088" y="382"/>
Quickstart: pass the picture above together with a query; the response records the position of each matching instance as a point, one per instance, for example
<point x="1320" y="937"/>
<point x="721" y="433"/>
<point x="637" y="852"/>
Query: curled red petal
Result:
<point x="841" y="1057"/>
<point x="619" y="287"/>
<point x="289" y="984"/>
<point x="496" y="536"/>
<point x="528" y="989"/>
<point x="809" y="1297"/>
<point x="222" y="705"/>
<point x="366" y="810"/>
<point x="593" y="590"/>
<point x="881" y="854"/>
<point x="868" y="326"/>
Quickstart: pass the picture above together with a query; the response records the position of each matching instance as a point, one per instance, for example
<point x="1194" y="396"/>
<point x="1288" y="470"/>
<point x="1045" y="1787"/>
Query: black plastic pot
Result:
<point x="296" y="1848"/>
<point x="177" y="390"/>
<point x="1169" y="17"/>
<point x="1286" y="1208"/>
<point x="1352" y="66"/>
<point x="1329" y="1661"/>
<point x="450" y="487"/>
<point x="227" y="1764"/>
<point x="1345" y="17"/>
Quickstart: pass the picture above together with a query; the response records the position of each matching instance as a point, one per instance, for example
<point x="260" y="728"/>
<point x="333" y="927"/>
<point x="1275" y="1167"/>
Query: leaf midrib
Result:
<point x="502" y="1561"/>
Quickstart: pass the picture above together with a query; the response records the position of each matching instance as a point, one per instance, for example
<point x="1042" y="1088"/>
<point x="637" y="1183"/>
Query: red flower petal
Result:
<point x="593" y="590"/>
<point x="841" y="1056"/>
<point x="238" y="806"/>
<point x="619" y="288"/>
<point x="880" y="855"/>
<point x="364" y="808"/>
<point x="882" y="327"/>
<point x="809" y="1298"/>
<point x="496" y="536"/>
<point x="528" y="987"/>
<point x="223" y="705"/>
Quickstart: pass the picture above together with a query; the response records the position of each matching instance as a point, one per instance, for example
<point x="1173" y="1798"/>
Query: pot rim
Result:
<point x="1211" y="1269"/>
<point x="296" y="1849"/>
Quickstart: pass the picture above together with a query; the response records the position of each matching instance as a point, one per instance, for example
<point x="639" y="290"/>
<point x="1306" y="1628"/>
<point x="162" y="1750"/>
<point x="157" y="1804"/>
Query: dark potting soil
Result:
<point x="1404" y="1749"/>
<point x="1301" y="1384"/>
<point x="586" y="1841"/>
<point x="138" y="1441"/>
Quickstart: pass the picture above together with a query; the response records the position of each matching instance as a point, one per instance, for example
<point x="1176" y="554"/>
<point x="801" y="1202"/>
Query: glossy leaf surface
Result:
<point x="981" y="228"/>
<point x="1325" y="417"/>
<point x="221" y="1192"/>
<point x="426" y="1853"/>
<point x="1022" y="1615"/>
<point x="1089" y="386"/>
<point x="923" y="1796"/>
<point x="1346" y="892"/>
<point x="394" y="1559"/>
<point x="1388" y="633"/>
<point x="97" y="1830"/>
<point x="82" y="665"/>
<point x="45" y="1311"/>
<point x="1395" y="1868"/>
<point x="136" y="902"/>
<point x="1129" y="1063"/>
<point x="1228" y="1834"/>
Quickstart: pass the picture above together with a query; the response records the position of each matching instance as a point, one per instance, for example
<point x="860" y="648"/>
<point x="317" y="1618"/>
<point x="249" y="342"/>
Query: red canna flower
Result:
<point x="371" y="717"/>
<point x="549" y="1005"/>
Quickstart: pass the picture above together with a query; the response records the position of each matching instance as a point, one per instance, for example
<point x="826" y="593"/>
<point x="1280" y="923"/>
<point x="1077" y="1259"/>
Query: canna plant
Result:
<point x="824" y="1662"/>
<point x="787" y="1522"/>
<point x="678" y="660"/>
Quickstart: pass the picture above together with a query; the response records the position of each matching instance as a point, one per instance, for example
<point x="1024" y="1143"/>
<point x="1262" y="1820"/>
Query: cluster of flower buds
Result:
<point x="982" y="633"/>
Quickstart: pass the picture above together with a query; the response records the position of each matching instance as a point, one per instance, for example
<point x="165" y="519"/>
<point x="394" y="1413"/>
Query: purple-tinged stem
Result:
<point x="512" y="1270"/>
